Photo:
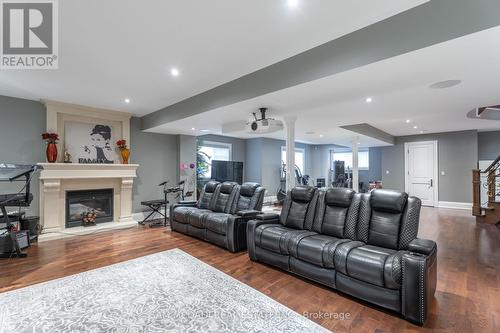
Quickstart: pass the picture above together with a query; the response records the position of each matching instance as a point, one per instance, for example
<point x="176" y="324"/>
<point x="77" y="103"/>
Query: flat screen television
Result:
<point x="231" y="171"/>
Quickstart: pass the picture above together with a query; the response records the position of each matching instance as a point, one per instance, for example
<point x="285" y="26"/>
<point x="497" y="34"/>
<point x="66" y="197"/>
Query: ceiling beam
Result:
<point x="431" y="23"/>
<point x="370" y="131"/>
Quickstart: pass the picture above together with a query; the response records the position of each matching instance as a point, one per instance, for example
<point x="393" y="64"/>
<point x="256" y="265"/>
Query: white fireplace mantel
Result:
<point x="57" y="178"/>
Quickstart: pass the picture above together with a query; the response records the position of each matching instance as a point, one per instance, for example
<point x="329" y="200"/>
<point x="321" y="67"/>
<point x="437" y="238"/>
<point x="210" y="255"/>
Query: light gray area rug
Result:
<point x="165" y="292"/>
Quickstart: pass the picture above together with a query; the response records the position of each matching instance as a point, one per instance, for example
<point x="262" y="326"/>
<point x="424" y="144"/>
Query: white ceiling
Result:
<point x="116" y="49"/>
<point x="399" y="88"/>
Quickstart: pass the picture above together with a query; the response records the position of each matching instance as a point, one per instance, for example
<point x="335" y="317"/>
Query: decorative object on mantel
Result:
<point x="89" y="143"/>
<point x="88" y="218"/>
<point x="67" y="157"/>
<point x="124" y="151"/>
<point x="51" y="152"/>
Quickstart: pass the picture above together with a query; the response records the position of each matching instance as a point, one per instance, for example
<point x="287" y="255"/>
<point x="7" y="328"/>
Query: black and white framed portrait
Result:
<point x="89" y="143"/>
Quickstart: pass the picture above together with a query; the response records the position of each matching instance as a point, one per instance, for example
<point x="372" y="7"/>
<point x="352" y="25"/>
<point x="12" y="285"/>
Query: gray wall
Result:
<point x="457" y="156"/>
<point x="253" y="160"/>
<point x="21" y="124"/>
<point x="374" y="173"/>
<point x="488" y="145"/>
<point x="157" y="155"/>
<point x="271" y="164"/>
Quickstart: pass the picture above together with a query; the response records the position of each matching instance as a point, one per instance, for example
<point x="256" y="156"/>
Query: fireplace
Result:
<point x="80" y="202"/>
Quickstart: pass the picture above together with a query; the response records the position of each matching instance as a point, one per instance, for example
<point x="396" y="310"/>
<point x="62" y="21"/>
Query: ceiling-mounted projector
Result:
<point x="264" y="125"/>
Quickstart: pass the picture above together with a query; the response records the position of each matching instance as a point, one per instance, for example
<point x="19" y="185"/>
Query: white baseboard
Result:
<point x="455" y="205"/>
<point x="57" y="233"/>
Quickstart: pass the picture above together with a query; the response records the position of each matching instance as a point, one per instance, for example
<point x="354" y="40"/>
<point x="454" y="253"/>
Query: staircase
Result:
<point x="490" y="212"/>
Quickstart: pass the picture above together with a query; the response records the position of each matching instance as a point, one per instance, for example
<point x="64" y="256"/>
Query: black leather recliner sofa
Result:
<point x="364" y="245"/>
<point x="220" y="215"/>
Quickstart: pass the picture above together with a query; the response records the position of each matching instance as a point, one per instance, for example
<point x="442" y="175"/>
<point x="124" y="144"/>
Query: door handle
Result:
<point x="431" y="183"/>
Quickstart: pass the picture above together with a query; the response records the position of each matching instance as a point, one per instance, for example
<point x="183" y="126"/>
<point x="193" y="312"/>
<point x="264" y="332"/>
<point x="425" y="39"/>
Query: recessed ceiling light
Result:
<point x="415" y="127"/>
<point x="127" y="100"/>
<point x="292" y="3"/>
<point x="174" y="72"/>
<point x="369" y="100"/>
<point x="193" y="129"/>
<point x="445" y="84"/>
<point x="204" y="130"/>
<point x="408" y="121"/>
<point x="321" y="135"/>
<point x="422" y="132"/>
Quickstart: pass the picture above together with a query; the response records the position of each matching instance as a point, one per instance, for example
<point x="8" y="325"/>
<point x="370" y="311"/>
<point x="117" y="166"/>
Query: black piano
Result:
<point x="23" y="198"/>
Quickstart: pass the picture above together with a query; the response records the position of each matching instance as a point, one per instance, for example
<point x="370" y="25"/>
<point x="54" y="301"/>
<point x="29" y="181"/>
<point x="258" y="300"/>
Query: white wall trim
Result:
<point x="455" y="205"/>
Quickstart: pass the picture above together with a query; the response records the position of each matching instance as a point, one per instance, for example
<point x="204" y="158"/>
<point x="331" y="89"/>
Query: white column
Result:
<point x="50" y="205"/>
<point x="126" y="187"/>
<point x="355" y="164"/>
<point x="290" y="151"/>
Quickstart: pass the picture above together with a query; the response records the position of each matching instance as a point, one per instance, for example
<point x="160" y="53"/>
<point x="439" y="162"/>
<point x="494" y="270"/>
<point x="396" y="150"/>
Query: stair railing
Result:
<point x="493" y="173"/>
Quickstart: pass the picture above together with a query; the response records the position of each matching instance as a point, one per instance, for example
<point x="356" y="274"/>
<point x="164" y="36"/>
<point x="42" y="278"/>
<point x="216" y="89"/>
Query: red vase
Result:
<point x="51" y="152"/>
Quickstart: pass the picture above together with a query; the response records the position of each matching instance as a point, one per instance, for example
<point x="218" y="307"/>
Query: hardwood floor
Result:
<point x="467" y="297"/>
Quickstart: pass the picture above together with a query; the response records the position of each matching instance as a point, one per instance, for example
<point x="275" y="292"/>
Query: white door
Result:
<point x="421" y="171"/>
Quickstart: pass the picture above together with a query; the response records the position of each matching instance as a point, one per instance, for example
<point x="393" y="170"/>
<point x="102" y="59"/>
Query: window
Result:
<point x="299" y="157"/>
<point x="346" y="156"/>
<point x="217" y="151"/>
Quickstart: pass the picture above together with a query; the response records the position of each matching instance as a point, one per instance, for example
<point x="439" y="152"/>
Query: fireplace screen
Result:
<point x="96" y="203"/>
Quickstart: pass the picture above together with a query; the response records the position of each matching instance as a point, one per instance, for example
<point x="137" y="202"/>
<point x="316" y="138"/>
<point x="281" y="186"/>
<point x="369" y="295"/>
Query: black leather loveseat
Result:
<point x="221" y="213"/>
<point x="364" y="245"/>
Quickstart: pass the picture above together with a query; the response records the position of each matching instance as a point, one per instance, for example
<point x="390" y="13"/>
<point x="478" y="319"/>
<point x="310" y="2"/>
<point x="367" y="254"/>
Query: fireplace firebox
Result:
<point x="81" y="202"/>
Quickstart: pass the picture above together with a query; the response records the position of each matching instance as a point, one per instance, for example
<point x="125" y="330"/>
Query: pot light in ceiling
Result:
<point x="422" y="132"/>
<point x="321" y="135"/>
<point x="445" y="84"/>
<point x="204" y="130"/>
<point x="415" y="127"/>
<point x="408" y="121"/>
<point x="174" y="72"/>
<point x="369" y="100"/>
<point x="292" y="3"/>
<point x="193" y="129"/>
<point x="127" y="100"/>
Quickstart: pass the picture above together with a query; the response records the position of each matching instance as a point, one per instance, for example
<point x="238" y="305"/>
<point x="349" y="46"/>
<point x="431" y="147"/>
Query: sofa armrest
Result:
<point x="419" y="281"/>
<point x="180" y="204"/>
<point x="422" y="246"/>
<point x="252" y="226"/>
<point x="187" y="203"/>
<point x="248" y="214"/>
<point x="268" y="217"/>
